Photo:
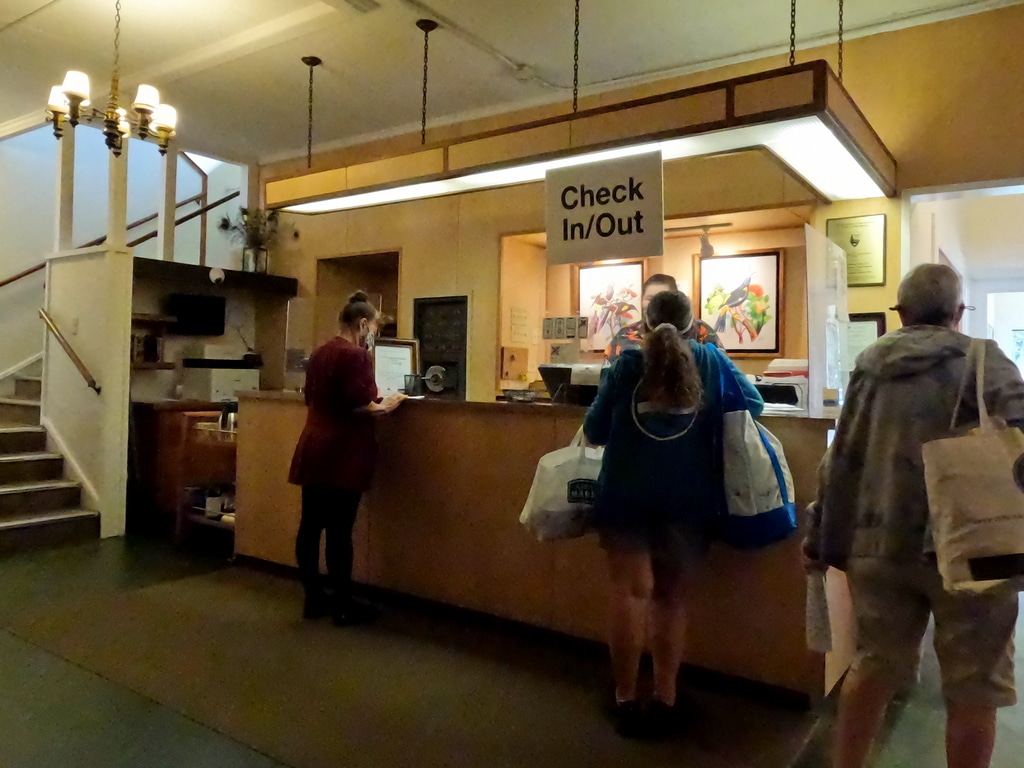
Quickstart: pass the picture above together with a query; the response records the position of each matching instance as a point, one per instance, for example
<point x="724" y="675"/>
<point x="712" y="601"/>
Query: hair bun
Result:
<point x="359" y="297"/>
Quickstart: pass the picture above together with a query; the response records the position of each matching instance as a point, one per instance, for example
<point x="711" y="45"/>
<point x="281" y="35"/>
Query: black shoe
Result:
<point x="629" y="720"/>
<point x="316" y="606"/>
<point x="355" y="613"/>
<point x="663" y="721"/>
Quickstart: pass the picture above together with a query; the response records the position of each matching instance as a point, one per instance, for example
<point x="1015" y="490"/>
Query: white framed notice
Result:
<point x="393" y="360"/>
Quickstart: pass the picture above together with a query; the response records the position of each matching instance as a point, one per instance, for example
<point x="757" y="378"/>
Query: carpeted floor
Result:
<point x="198" y="653"/>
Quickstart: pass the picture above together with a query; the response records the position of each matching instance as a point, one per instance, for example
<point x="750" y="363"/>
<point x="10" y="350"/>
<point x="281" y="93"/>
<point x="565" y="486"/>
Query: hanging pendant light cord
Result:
<point x="792" y="33"/>
<point x="576" y="61"/>
<point x="309" y="122"/>
<point x="840" y="41"/>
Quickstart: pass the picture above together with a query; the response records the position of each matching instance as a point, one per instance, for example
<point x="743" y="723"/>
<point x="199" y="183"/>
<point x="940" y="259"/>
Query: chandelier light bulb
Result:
<point x="58" y="102"/>
<point x="165" y="117"/>
<point x="147" y="99"/>
<point x="76" y="85"/>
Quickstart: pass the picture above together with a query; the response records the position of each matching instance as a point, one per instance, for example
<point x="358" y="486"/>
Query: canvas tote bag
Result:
<point x="561" y="499"/>
<point x="976" y="497"/>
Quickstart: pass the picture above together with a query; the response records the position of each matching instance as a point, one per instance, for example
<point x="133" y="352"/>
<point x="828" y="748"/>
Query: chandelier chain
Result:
<point x="115" y="74"/>
<point x="840" y="41"/>
<point x="792" y="33"/>
<point x="426" y="74"/>
<point x="576" y="61"/>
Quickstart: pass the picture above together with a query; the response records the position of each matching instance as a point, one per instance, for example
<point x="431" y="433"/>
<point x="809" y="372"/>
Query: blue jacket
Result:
<point x="646" y="481"/>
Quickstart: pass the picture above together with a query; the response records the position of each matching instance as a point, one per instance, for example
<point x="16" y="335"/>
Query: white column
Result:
<point x="117" y="210"/>
<point x="65" y="224"/>
<point x="168" y="205"/>
<point x="253" y="190"/>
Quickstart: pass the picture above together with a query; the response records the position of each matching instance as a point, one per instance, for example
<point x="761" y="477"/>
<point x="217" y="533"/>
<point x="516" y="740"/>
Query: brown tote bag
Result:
<point x="976" y="497"/>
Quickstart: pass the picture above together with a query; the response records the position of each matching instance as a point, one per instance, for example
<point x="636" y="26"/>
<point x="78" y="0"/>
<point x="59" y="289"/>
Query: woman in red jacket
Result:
<point x="334" y="459"/>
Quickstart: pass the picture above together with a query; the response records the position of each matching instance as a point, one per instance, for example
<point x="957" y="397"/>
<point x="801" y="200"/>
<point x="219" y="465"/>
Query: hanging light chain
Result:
<point x="576" y="61"/>
<point x="309" y="123"/>
<point x="311" y="62"/>
<point x="792" y="33"/>
<point x="840" y="41"/>
<point x="426" y="76"/>
<point x="427" y="26"/>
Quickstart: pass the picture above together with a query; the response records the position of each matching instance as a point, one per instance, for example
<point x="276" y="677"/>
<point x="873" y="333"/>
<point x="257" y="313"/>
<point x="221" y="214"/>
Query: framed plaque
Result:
<point x="863" y="240"/>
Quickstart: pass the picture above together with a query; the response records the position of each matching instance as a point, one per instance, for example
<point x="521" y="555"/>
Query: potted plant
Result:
<point x="254" y="229"/>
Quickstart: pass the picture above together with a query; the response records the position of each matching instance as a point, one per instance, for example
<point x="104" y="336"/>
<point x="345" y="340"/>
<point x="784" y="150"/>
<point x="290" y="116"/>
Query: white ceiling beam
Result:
<point x="291" y="26"/>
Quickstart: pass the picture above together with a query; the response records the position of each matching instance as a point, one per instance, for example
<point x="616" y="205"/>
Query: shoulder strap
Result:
<point x="975" y="366"/>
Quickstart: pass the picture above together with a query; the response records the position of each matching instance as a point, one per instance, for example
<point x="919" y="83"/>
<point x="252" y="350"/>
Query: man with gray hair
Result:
<point x="872" y="522"/>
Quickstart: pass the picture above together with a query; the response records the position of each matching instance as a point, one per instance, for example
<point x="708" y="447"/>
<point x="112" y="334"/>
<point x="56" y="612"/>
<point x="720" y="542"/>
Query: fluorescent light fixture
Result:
<point x="805" y="144"/>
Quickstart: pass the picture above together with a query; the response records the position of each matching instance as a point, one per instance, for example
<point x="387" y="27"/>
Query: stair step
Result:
<point x="24" y="498"/>
<point x="48" y="529"/>
<point x="23" y="439"/>
<point x="30" y="467"/>
<point x="15" y="410"/>
<point x="28" y="387"/>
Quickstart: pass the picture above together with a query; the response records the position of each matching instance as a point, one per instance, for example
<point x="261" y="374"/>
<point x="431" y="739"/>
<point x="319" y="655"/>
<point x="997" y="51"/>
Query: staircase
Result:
<point x="38" y="507"/>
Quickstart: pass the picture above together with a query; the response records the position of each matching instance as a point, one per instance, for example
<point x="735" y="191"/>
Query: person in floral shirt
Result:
<point x="631" y="336"/>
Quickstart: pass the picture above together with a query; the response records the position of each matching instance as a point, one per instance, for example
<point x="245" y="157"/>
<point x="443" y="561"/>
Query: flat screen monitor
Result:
<point x="196" y="315"/>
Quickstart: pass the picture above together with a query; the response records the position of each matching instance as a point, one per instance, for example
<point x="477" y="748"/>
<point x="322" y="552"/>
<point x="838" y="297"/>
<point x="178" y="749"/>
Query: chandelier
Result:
<point x="69" y="104"/>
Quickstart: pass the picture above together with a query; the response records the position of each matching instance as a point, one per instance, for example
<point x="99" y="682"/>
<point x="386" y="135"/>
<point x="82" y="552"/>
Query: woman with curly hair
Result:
<point x="658" y="413"/>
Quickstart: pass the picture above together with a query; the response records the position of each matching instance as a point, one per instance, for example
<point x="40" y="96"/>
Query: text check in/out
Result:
<point x="610" y="209"/>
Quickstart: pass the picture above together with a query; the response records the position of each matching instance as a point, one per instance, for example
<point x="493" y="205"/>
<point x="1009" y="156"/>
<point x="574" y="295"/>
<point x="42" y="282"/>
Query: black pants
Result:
<point x="333" y="510"/>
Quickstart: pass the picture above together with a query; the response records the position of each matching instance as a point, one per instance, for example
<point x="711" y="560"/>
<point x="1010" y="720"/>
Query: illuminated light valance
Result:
<point x="800" y="114"/>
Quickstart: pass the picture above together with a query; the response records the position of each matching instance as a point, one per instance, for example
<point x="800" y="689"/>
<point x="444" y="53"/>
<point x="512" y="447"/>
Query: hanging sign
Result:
<point x="612" y="209"/>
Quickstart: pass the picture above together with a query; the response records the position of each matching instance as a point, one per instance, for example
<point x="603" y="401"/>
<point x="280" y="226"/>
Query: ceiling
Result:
<point x="233" y="69"/>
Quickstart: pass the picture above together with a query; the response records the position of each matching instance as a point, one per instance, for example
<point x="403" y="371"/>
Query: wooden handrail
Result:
<point x="66" y="346"/>
<point x="30" y="271"/>
<point x="187" y="217"/>
<point x="144" y="220"/>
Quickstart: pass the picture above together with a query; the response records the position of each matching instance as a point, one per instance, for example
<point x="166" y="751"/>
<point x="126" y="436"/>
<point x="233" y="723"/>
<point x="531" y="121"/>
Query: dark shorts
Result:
<point x="673" y="544"/>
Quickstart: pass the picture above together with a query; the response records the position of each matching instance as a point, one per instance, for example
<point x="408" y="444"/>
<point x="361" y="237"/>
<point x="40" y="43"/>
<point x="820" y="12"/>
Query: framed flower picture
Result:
<point x="740" y="297"/>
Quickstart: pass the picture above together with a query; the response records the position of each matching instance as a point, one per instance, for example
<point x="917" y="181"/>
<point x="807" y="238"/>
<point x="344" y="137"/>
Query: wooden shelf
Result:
<point x="146" y="319"/>
<point x="171" y="271"/>
<point x="153" y="366"/>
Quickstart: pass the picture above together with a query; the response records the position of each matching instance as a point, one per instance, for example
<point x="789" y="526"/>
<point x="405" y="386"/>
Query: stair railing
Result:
<point x="66" y="346"/>
<point x="138" y="241"/>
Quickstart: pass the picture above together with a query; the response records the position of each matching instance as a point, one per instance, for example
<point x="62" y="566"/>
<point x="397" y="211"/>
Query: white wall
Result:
<point x="1008" y="316"/>
<point x="28" y="167"/>
<point x="981" y="291"/>
<point x="88" y="293"/>
<point x="223" y="180"/>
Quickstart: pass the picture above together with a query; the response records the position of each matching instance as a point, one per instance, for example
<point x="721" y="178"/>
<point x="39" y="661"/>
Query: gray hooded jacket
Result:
<point x="902" y="394"/>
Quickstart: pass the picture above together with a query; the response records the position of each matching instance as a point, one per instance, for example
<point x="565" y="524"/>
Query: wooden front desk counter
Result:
<point x="442" y="523"/>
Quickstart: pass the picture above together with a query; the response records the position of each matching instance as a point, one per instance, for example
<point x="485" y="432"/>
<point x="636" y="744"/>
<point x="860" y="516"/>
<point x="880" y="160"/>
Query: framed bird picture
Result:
<point x="741" y="299"/>
<point x="609" y="297"/>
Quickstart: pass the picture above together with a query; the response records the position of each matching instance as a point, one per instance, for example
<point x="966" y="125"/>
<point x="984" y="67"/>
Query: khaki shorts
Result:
<point x="892" y="603"/>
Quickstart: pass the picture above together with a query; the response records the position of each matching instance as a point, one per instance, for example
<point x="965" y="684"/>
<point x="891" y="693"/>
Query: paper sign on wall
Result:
<point x="611" y="209"/>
